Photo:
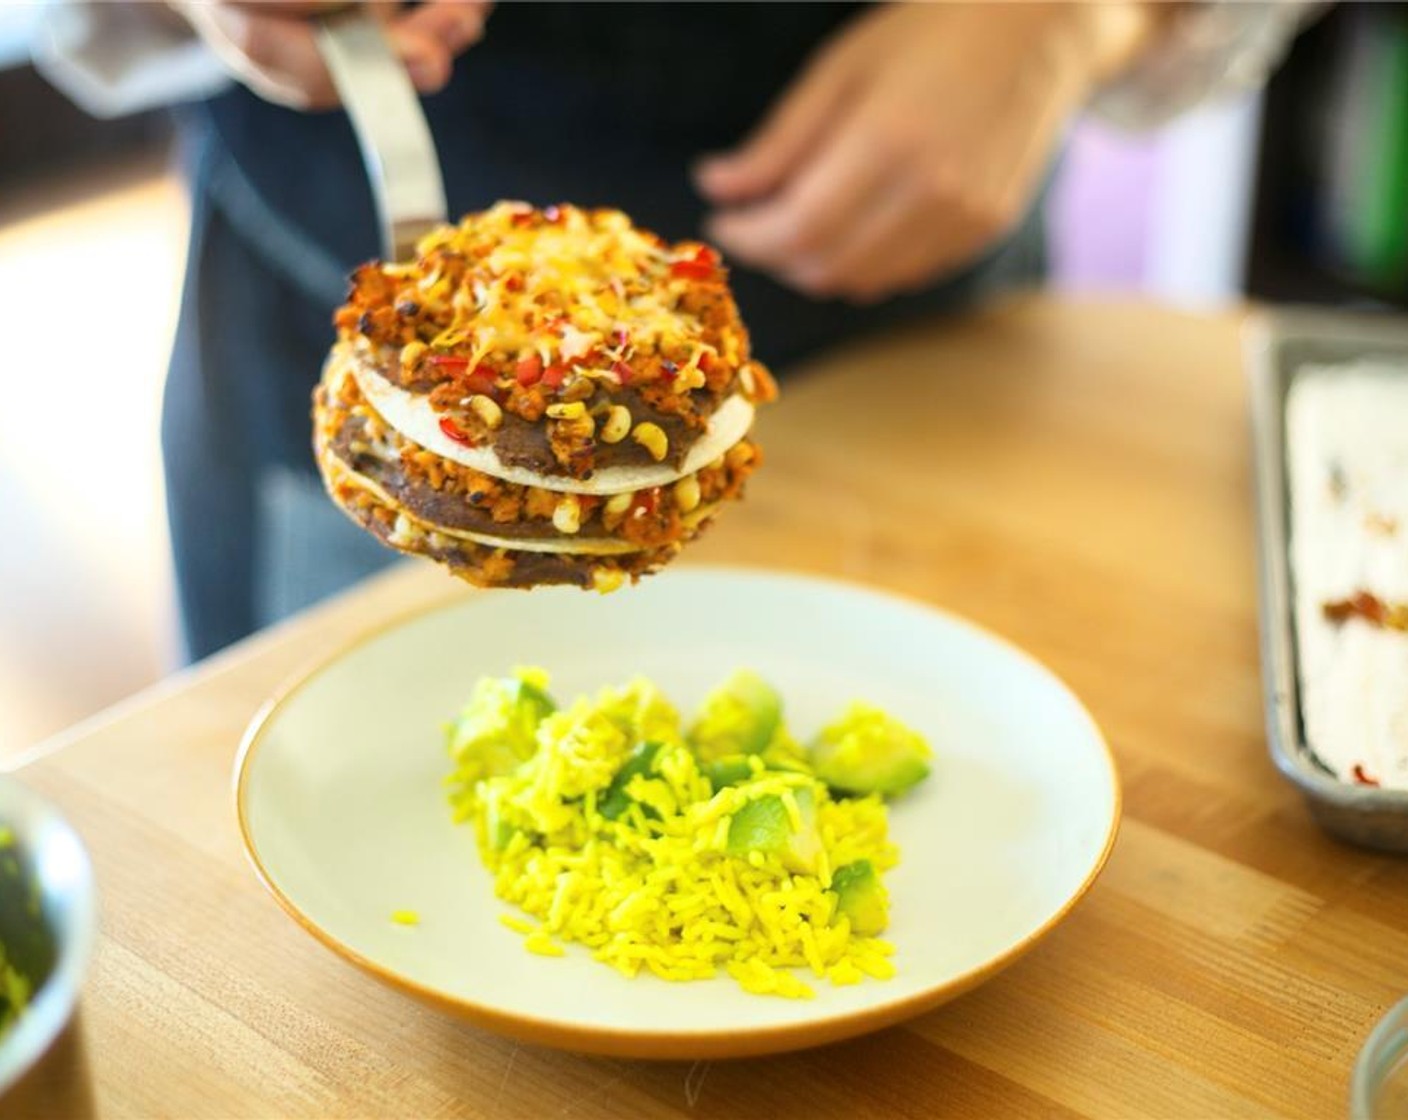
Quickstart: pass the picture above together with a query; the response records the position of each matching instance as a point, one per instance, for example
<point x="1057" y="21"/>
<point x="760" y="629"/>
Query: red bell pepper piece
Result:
<point x="455" y="432"/>
<point x="701" y="266"/>
<point x="1362" y="777"/>
<point x="529" y="371"/>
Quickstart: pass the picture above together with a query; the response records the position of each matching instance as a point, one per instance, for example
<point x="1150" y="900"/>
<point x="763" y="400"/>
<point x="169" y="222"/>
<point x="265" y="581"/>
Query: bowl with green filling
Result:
<point x="47" y="927"/>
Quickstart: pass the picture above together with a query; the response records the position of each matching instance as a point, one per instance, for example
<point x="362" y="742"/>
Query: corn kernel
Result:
<point x="607" y="579"/>
<point x="687" y="493"/>
<point x="567" y="517"/>
<point x="487" y="409"/>
<point x="617" y="425"/>
<point x="577" y="389"/>
<point x="653" y="438"/>
<point x="739" y="455"/>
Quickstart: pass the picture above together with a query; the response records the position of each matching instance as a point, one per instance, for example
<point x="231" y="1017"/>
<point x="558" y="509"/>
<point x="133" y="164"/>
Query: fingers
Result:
<point x="455" y="24"/>
<point x="293" y="9"/>
<point x="798" y="231"/>
<point x="272" y="47"/>
<point x="864" y="235"/>
<point x="275" y="55"/>
<point x="915" y="144"/>
<point x="942" y="224"/>
<point x="784" y="139"/>
<point x="918" y="245"/>
<point x="429" y="36"/>
<point x="429" y="61"/>
<point x="861" y="263"/>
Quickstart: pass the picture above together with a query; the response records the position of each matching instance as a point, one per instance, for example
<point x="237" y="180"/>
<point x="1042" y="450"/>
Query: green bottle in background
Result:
<point x="1368" y="153"/>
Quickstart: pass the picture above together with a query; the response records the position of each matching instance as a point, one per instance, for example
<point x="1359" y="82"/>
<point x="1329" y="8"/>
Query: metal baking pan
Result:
<point x="1277" y="345"/>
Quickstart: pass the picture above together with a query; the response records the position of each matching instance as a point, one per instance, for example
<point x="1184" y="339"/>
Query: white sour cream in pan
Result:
<point x="1347" y="451"/>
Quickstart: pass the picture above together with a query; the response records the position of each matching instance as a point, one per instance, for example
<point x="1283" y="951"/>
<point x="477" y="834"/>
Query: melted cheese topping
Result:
<point x="569" y="284"/>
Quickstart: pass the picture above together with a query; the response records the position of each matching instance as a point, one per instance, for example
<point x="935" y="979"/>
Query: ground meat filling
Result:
<point x="438" y="492"/>
<point x="548" y="448"/>
<point x="474" y="512"/>
<point x="487" y="566"/>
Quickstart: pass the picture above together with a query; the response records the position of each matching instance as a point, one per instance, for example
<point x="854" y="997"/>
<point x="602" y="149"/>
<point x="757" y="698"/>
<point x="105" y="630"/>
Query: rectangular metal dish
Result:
<point x="1277" y="345"/>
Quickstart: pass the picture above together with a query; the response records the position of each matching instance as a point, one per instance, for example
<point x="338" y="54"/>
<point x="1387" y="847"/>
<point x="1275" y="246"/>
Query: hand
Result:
<point x="913" y="141"/>
<point x="269" y="45"/>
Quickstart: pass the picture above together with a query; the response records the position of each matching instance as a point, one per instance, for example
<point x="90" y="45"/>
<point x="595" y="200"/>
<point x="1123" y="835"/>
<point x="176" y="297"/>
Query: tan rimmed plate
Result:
<point x="341" y="806"/>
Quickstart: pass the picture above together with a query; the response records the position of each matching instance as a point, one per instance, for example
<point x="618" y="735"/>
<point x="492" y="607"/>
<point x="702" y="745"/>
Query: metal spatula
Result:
<point x="386" y="115"/>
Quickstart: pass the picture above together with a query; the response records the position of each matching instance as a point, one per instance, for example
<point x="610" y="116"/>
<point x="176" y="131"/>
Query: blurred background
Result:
<point x="1294" y="194"/>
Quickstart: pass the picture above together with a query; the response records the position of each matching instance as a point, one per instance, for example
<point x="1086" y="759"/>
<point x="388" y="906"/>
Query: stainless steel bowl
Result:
<point x="48" y="921"/>
<point x="1379" y="1090"/>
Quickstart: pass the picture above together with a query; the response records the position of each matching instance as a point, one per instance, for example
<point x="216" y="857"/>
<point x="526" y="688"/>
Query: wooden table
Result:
<point x="1073" y="475"/>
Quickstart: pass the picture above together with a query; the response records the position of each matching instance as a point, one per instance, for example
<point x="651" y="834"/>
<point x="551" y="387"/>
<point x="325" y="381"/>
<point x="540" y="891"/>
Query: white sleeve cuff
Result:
<point x="1209" y="51"/>
<point x="112" y="59"/>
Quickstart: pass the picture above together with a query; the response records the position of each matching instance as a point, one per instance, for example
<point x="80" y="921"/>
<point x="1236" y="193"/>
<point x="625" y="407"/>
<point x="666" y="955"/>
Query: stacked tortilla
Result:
<point x="542" y="396"/>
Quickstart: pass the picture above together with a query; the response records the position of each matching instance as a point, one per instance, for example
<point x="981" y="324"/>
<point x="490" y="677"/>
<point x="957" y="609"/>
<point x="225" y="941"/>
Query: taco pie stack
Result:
<point x="540" y="397"/>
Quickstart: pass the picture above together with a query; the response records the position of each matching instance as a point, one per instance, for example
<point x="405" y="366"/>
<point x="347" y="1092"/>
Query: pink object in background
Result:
<point x="1164" y="213"/>
<point x="1101" y="210"/>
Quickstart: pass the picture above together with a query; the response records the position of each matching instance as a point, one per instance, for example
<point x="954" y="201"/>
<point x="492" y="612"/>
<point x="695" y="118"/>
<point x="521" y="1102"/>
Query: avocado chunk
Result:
<point x="534" y="698"/>
<point x="728" y="771"/>
<point x="497" y="729"/>
<point x="739" y="717"/>
<point x="497" y="831"/>
<point x="764" y="825"/>
<point x="868" y="751"/>
<point x="616" y="800"/>
<point x="760" y="825"/>
<point x="862" y="897"/>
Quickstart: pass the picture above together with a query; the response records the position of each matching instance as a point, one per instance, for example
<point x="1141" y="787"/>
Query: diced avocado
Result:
<point x="535" y="698"/>
<point x="728" y="771"/>
<point x="497" y="729"/>
<point x="861" y="896"/>
<point x="764" y="825"/>
<point x="739" y="717"/>
<point x="868" y="751"/>
<point x="760" y="825"/>
<point x="616" y="800"/>
<point x="803" y="851"/>
<point x="497" y="831"/>
<point x="499" y="823"/>
<point x="640" y="710"/>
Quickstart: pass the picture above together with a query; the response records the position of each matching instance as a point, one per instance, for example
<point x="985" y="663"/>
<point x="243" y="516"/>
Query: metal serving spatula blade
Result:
<point x="391" y="129"/>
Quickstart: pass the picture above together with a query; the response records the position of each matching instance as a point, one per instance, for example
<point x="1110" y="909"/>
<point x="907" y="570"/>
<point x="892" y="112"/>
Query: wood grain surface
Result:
<point x="1073" y="475"/>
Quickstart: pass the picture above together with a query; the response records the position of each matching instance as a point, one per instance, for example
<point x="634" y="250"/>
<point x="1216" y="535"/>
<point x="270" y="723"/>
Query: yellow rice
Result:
<point x="656" y="889"/>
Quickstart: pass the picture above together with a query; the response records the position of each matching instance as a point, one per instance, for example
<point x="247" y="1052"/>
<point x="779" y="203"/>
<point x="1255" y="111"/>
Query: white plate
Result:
<point x="342" y="809"/>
